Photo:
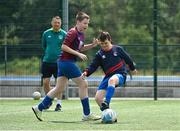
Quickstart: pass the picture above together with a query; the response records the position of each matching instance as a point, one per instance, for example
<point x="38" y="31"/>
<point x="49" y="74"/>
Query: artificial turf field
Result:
<point x="16" y="114"/>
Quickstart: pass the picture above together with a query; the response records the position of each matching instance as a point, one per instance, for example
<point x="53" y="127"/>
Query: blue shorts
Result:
<point x="104" y="83"/>
<point x="68" y="69"/>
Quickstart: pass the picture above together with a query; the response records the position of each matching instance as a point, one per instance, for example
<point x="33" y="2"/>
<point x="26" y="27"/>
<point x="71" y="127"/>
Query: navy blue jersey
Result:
<point x="112" y="62"/>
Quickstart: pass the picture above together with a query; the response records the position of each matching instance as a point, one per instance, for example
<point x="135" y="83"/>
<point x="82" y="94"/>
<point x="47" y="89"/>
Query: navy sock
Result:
<point x="109" y="93"/>
<point x="85" y="104"/>
<point x="45" y="104"/>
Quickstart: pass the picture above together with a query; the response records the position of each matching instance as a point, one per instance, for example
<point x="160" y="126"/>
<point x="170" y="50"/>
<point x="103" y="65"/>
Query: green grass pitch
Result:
<point x="16" y="114"/>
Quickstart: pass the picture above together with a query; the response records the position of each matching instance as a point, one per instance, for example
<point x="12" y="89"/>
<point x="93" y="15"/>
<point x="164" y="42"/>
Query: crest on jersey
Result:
<point x="80" y="44"/>
<point x="103" y="56"/>
<point x="60" y="37"/>
<point x="115" y="53"/>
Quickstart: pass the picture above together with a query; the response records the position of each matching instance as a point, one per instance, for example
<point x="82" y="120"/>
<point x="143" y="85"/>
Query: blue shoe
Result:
<point x="58" y="107"/>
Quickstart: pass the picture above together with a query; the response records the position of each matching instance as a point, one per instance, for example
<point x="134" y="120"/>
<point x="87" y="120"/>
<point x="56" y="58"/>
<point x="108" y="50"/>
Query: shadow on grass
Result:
<point x="67" y="122"/>
<point x="90" y="122"/>
<point x="78" y="122"/>
<point x="52" y="111"/>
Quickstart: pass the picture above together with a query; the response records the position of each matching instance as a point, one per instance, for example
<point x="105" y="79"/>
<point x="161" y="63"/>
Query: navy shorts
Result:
<point x="49" y="69"/>
<point x="68" y="69"/>
<point x="104" y="83"/>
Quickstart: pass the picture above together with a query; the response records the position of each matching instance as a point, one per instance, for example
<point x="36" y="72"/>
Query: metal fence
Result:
<point x="20" y="75"/>
<point x="21" y="52"/>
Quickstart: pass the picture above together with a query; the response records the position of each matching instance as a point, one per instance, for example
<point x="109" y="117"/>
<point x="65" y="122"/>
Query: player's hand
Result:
<point x="84" y="74"/>
<point x="95" y="42"/>
<point x="82" y="56"/>
<point x="134" y="72"/>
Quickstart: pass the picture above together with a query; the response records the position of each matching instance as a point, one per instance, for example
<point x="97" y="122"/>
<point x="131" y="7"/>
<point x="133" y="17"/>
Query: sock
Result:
<point x="109" y="93"/>
<point x="45" y="104"/>
<point x="85" y="104"/>
<point x="59" y="101"/>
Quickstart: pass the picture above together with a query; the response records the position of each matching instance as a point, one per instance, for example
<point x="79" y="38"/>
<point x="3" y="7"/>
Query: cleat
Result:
<point x="91" y="117"/>
<point x="115" y="121"/>
<point x="58" y="107"/>
<point x="104" y="106"/>
<point x="37" y="112"/>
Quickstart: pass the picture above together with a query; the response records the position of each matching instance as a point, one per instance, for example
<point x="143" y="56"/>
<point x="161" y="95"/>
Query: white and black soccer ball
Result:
<point x="109" y="116"/>
<point x="36" y="95"/>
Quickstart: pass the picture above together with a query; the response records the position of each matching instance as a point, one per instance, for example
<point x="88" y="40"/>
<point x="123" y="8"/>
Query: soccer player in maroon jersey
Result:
<point x="72" y="48"/>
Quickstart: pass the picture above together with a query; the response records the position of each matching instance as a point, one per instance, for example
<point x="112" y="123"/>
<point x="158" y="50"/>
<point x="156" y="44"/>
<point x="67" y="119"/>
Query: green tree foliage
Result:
<point x="169" y="32"/>
<point x="130" y="22"/>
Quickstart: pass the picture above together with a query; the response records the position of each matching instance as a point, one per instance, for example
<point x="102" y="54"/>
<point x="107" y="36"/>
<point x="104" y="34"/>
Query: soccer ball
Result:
<point x="36" y="95"/>
<point x="109" y="116"/>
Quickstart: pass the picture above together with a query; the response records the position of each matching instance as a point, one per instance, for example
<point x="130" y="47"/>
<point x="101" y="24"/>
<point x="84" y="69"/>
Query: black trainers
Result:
<point x="115" y="120"/>
<point x="104" y="106"/>
<point x="58" y="107"/>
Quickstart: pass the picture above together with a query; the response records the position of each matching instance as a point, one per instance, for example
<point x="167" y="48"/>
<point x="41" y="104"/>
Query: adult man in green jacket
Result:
<point x="52" y="40"/>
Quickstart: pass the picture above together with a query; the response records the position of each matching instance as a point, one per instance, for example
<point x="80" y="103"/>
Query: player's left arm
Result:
<point x="89" y="46"/>
<point x="128" y="60"/>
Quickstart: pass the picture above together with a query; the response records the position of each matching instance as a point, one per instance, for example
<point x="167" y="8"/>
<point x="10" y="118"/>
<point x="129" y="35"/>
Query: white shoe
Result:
<point x="91" y="117"/>
<point x="37" y="112"/>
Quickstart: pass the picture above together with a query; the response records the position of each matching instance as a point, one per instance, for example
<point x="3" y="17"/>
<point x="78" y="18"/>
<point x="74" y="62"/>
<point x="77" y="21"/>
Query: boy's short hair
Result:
<point x="81" y="16"/>
<point x="103" y="36"/>
<point x="56" y="17"/>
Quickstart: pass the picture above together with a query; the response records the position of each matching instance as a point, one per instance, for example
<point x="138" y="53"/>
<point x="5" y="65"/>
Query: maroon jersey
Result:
<point x="74" y="40"/>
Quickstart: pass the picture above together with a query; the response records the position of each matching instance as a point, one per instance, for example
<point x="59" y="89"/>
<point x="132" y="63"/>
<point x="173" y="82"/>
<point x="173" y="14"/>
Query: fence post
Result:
<point x="65" y="27"/>
<point x="155" y="12"/>
<point x="5" y="50"/>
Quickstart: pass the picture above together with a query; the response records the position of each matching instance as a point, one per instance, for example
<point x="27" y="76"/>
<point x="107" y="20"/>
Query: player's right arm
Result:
<point x="71" y="51"/>
<point x="68" y="44"/>
<point x="93" y="66"/>
<point x="44" y="41"/>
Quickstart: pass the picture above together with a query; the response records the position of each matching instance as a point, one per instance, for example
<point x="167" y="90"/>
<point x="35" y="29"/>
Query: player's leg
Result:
<point x="61" y="84"/>
<point x="59" y="88"/>
<point x="75" y="74"/>
<point x="71" y="71"/>
<point x="47" y="101"/>
<point x="115" y="80"/>
<point x="82" y="84"/>
<point x="46" y="85"/>
<point x="48" y="69"/>
<point x="101" y="92"/>
<point x="47" y="88"/>
<point x="59" y="102"/>
<point x="46" y="74"/>
<point x="83" y="93"/>
<point x="111" y="88"/>
<point x="99" y="97"/>
<point x="59" y="96"/>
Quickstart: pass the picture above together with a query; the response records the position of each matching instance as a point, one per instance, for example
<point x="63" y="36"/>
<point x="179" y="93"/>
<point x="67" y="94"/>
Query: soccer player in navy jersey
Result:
<point x="67" y="69"/>
<point x="112" y="59"/>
